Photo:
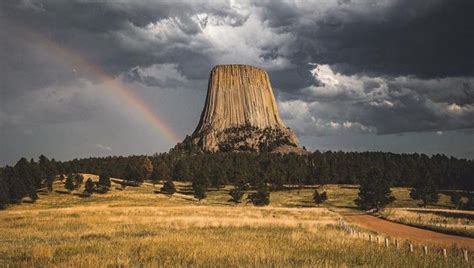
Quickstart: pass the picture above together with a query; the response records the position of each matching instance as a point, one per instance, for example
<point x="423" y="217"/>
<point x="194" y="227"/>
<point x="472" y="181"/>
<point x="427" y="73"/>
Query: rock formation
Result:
<point x="240" y="114"/>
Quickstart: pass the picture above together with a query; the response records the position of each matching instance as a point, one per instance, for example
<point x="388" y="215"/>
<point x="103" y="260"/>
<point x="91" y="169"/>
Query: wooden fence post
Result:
<point x="386" y="242"/>
<point x="410" y="247"/>
<point x="425" y="250"/>
<point x="397" y="244"/>
<point x="466" y="255"/>
<point x="370" y="238"/>
<point x="445" y="253"/>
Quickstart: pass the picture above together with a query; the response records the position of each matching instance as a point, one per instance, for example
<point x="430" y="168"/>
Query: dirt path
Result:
<point x="407" y="232"/>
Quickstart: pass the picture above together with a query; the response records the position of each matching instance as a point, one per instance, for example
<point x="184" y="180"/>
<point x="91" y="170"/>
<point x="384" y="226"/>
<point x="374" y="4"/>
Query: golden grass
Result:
<point x="436" y="219"/>
<point x="137" y="227"/>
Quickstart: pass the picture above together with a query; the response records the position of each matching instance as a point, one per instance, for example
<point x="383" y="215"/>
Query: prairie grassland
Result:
<point x="137" y="227"/>
<point x="449" y="221"/>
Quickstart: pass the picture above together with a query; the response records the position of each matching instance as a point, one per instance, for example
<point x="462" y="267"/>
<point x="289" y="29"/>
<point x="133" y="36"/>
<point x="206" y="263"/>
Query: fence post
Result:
<point x="411" y="247"/>
<point x="445" y="253"/>
<point x="397" y="244"/>
<point x="466" y="255"/>
<point x="378" y="242"/>
<point x="386" y="242"/>
<point x="370" y="238"/>
<point x="425" y="250"/>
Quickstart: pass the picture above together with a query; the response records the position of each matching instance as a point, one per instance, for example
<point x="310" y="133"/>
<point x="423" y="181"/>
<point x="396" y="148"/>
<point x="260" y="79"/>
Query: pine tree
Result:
<point x="218" y="178"/>
<point x="374" y="191"/>
<point x="199" y="190"/>
<point x="4" y="200"/>
<point x="146" y="168"/>
<point x="69" y="185"/>
<point x="425" y="189"/>
<point x="317" y="198"/>
<point x="36" y="173"/>
<point x="89" y="187"/>
<point x="236" y="194"/>
<point x="104" y="180"/>
<point x="131" y="173"/>
<point x="324" y="171"/>
<point x="261" y="197"/>
<point x="78" y="180"/>
<point x="154" y="177"/>
<point x="168" y="188"/>
<point x="181" y="170"/>
<point x="163" y="172"/>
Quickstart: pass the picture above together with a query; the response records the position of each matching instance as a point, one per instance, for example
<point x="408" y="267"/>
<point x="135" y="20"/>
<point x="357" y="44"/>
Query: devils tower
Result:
<point x="240" y="114"/>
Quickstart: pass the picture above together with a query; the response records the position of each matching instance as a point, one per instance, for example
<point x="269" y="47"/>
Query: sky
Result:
<point x="83" y="78"/>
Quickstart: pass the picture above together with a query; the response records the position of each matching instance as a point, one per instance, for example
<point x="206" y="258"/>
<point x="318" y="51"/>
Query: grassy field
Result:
<point x="137" y="227"/>
<point x="442" y="220"/>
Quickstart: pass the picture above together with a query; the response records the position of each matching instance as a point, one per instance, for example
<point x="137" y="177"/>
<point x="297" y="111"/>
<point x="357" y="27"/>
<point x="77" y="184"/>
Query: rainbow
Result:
<point x="116" y="87"/>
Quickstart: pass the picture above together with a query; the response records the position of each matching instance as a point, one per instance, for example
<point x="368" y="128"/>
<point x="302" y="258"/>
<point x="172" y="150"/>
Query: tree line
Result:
<point x="255" y="169"/>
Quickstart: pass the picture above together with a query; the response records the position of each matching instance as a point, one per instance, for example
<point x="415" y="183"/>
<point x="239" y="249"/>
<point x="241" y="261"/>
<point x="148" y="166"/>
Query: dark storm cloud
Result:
<point x="422" y="38"/>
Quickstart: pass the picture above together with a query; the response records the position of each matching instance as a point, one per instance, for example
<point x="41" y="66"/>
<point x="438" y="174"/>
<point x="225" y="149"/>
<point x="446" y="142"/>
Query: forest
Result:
<point x="219" y="169"/>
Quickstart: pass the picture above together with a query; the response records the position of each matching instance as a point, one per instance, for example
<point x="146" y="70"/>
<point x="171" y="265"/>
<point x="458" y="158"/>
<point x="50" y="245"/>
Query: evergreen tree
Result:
<point x="168" y="188"/>
<point x="261" y="197"/>
<point x="317" y="198"/>
<point x="236" y="194"/>
<point x="154" y="177"/>
<point x="48" y="171"/>
<point x="27" y="185"/>
<point x="218" y="178"/>
<point x="425" y="189"/>
<point x="324" y="171"/>
<point x="36" y="173"/>
<point x="4" y="200"/>
<point x="199" y="189"/>
<point x="69" y="185"/>
<point x="146" y="168"/>
<point x="163" y="172"/>
<point x="374" y="191"/>
<point x="182" y="171"/>
<point x="78" y="180"/>
<point x="51" y="173"/>
<point x="104" y="179"/>
<point x="17" y="188"/>
<point x="131" y="173"/>
<point x="89" y="187"/>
